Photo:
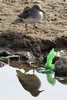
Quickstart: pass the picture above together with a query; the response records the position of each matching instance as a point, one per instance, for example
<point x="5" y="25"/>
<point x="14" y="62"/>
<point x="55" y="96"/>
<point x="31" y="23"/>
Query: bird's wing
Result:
<point x="25" y="13"/>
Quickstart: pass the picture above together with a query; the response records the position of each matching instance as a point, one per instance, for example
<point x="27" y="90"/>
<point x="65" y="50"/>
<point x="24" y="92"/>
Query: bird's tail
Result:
<point x="18" y="21"/>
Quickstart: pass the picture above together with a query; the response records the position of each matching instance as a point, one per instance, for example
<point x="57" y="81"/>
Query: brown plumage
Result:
<point x="22" y="65"/>
<point x="25" y="13"/>
<point x="30" y="83"/>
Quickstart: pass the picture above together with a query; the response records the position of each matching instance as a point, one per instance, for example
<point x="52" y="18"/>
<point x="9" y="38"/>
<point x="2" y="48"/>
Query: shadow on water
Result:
<point x="31" y="83"/>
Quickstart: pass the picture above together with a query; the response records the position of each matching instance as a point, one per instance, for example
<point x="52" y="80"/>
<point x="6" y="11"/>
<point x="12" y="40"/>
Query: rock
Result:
<point x="2" y="64"/>
<point x="61" y="67"/>
<point x="61" y="70"/>
<point x="4" y="53"/>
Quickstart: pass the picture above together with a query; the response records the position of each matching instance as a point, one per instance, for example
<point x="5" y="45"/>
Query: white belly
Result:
<point x="41" y="15"/>
<point x="31" y="20"/>
<point x="34" y="20"/>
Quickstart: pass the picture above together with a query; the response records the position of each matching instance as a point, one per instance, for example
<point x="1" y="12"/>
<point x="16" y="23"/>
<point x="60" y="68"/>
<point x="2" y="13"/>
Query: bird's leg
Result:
<point x="19" y="58"/>
<point x="33" y="71"/>
<point x="34" y="28"/>
<point x="25" y="72"/>
<point x="9" y="61"/>
<point x="26" y="27"/>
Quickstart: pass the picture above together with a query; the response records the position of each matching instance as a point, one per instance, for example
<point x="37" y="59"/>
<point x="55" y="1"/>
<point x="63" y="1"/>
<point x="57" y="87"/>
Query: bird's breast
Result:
<point x="40" y="15"/>
<point x="35" y="19"/>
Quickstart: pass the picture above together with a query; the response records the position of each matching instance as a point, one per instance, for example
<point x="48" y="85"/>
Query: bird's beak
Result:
<point x="42" y="11"/>
<point x="41" y="91"/>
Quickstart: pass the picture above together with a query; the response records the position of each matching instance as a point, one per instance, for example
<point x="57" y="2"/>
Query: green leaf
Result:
<point x="50" y="58"/>
<point x="51" y="79"/>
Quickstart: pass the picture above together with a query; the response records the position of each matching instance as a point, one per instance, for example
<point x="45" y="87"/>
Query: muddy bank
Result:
<point x="18" y="42"/>
<point x="50" y="33"/>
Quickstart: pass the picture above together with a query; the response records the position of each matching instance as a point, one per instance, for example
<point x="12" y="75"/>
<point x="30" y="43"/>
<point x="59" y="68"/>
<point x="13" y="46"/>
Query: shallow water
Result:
<point x="17" y="80"/>
<point x="11" y="89"/>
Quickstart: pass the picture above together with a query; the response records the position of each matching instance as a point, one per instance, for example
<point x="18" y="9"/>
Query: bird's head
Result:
<point x="35" y="93"/>
<point x="38" y="7"/>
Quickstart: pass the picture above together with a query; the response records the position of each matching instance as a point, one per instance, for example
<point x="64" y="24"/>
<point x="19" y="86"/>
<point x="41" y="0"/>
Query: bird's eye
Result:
<point x="37" y="7"/>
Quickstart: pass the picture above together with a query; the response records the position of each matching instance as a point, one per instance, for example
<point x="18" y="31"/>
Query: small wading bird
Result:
<point x="30" y="83"/>
<point x="31" y="15"/>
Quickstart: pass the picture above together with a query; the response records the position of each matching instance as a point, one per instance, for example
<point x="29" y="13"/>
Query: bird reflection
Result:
<point x="22" y="65"/>
<point x="31" y="83"/>
<point x="61" y="70"/>
<point x="31" y="64"/>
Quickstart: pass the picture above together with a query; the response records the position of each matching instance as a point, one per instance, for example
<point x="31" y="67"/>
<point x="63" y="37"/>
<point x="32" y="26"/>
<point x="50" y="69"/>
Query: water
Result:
<point x="11" y="89"/>
<point x="18" y="81"/>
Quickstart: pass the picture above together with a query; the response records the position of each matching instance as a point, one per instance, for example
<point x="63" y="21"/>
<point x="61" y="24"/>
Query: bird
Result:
<point x="26" y="66"/>
<point x="27" y="62"/>
<point x="30" y="83"/>
<point x="31" y="15"/>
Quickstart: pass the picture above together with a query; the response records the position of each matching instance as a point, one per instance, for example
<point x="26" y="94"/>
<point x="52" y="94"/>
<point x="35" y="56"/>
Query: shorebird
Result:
<point x="30" y="83"/>
<point x="31" y="15"/>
